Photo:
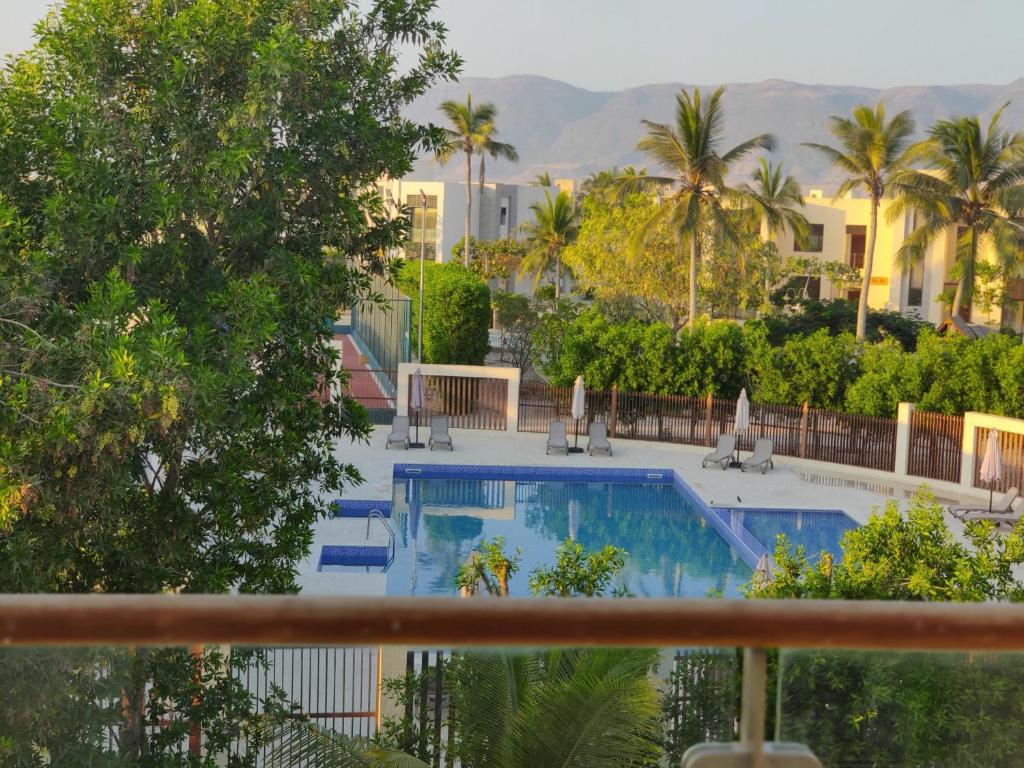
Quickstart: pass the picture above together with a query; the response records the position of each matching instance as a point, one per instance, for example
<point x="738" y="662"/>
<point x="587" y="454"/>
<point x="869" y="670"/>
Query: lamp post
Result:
<point x="423" y="255"/>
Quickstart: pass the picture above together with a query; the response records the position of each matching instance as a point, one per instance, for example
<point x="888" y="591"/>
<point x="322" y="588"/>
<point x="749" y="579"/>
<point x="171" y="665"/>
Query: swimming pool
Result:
<point x="676" y="545"/>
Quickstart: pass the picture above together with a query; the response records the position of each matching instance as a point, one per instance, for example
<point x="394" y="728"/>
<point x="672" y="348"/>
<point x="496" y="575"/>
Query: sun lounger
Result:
<point x="1000" y="506"/>
<point x="722" y="453"/>
<point x="399" y="436"/>
<point x="598" y="439"/>
<point x="439" y="437"/>
<point x="557" y="441"/>
<point x="761" y="458"/>
<point x="1008" y="518"/>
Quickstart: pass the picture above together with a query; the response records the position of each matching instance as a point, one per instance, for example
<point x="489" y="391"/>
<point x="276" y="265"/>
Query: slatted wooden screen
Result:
<point x="936" y="445"/>
<point x="1011" y="445"/>
<point x="468" y="402"/>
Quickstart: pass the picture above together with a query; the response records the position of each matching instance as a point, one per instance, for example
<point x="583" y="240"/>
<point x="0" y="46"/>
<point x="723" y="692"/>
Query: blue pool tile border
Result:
<point x="352" y="555"/>
<point x="360" y="507"/>
<point x="554" y="474"/>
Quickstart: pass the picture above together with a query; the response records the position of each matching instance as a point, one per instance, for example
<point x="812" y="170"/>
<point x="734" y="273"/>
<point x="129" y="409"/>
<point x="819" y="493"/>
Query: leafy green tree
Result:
<point x="178" y="183"/>
<point x="976" y="183"/>
<point x="472" y="132"/>
<point x="817" y="369"/>
<point x="493" y="259"/>
<point x="456" y="312"/>
<point x="604" y="265"/>
<point x="903" y="709"/>
<point x="872" y="152"/>
<point x="577" y="572"/>
<point x="554" y="226"/>
<point x="697" y="195"/>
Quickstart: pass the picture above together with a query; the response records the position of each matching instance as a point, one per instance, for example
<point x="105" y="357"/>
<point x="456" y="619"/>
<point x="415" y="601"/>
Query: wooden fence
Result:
<point x="811" y="433"/>
<point x="469" y="402"/>
<point x="936" y="442"/>
<point x="1011" y="445"/>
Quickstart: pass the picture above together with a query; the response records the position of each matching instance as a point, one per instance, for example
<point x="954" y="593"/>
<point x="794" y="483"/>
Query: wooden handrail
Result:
<point x="56" y="620"/>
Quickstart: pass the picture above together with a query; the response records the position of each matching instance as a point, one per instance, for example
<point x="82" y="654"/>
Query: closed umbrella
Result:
<point x="992" y="464"/>
<point x="578" y="410"/>
<point x="742" y="421"/>
<point x="416" y="403"/>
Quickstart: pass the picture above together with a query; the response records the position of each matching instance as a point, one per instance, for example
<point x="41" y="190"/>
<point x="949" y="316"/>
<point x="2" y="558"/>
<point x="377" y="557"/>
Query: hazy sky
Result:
<point x="613" y="44"/>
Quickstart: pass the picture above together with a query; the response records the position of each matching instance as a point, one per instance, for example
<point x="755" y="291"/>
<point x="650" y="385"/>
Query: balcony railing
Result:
<point x="63" y="621"/>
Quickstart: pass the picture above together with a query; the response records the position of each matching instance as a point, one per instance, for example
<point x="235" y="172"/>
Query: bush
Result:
<point x="456" y="312"/>
<point x="817" y="369"/>
<point x="840" y="316"/>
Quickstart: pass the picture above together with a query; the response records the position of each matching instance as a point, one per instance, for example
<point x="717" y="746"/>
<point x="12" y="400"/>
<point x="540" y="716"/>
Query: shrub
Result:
<point x="816" y="368"/>
<point x="840" y="316"/>
<point x="456" y="312"/>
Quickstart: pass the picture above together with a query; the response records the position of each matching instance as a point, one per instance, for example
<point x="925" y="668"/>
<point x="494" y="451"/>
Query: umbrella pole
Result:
<point x="990" y="495"/>
<point x="576" y="429"/>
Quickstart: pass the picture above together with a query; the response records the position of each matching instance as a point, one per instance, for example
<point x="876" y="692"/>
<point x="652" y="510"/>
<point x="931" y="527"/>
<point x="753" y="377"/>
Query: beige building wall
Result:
<point x="890" y="286"/>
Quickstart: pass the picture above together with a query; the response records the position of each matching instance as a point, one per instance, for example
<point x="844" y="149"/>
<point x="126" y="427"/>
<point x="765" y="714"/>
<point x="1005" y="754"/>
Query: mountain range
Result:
<point x="571" y="132"/>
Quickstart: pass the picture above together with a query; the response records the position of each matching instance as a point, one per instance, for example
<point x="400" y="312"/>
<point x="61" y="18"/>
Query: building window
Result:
<point x="857" y="238"/>
<point x="915" y="285"/>
<point x="815" y="241"/>
<point x="417" y="235"/>
<point x="503" y="218"/>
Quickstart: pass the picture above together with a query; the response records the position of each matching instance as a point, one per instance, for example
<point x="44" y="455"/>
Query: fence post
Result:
<point x="803" y="429"/>
<point x="708" y="407"/>
<point x="904" y="436"/>
<point x="613" y="410"/>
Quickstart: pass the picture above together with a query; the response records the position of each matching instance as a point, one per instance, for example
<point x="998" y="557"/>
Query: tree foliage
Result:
<point x="456" y="312"/>
<point x="182" y="204"/>
<point x="903" y="709"/>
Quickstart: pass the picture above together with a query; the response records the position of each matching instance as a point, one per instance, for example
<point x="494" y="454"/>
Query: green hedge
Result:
<point x="456" y="312"/>
<point x="829" y="370"/>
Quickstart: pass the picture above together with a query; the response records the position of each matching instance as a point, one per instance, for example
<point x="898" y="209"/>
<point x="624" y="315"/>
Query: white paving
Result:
<point x="793" y="484"/>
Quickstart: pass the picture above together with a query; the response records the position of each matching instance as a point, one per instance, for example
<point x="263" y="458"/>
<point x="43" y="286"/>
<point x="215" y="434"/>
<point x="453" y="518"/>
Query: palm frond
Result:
<point x="297" y="742"/>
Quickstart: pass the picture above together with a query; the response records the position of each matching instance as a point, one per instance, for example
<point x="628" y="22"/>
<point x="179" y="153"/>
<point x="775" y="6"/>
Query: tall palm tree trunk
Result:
<point x="694" y="258"/>
<point x="766" y="238"/>
<point x="865" y="285"/>
<point x="558" y="277"/>
<point x="469" y="205"/>
<point x="480" y="182"/>
<point x="965" y="288"/>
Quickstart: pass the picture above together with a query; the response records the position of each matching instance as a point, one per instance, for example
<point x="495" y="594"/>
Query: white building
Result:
<point x="499" y="211"/>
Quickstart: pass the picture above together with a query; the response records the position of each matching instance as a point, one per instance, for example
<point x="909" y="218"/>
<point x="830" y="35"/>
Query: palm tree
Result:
<point x="490" y="146"/>
<point x="561" y="708"/>
<point x="872" y="151"/>
<point x="472" y="132"/>
<point x="698" y="198"/>
<point x="542" y="180"/>
<point x="976" y="183"/>
<point x="604" y="185"/>
<point x="774" y="200"/>
<point x="554" y="227"/>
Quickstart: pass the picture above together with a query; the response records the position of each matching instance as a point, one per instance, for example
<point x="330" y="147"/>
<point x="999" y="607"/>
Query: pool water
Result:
<point x="673" y="548"/>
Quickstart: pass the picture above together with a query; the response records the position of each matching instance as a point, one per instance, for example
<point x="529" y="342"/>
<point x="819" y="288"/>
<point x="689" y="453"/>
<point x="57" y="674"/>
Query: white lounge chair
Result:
<point x="597" y="441"/>
<point x="399" y="436"/>
<point x="557" y="441"/>
<point x="1009" y="517"/>
<point x="761" y="458"/>
<point x="1001" y="506"/>
<point x="439" y="437"/>
<point x="722" y="453"/>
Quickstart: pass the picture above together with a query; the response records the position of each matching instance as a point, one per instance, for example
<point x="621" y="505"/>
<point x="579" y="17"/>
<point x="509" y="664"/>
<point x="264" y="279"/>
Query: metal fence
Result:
<point x="385" y="328"/>
<point x="370" y="388"/>
<point x="811" y="433"/>
<point x="936" y="441"/>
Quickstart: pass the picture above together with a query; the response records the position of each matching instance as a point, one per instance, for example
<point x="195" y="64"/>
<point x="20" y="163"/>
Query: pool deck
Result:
<point x="793" y="484"/>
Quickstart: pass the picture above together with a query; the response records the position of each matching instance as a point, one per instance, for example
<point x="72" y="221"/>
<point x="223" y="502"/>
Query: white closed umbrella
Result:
<point x="416" y="399"/>
<point x="741" y="423"/>
<point x="992" y="464"/>
<point x="578" y="409"/>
